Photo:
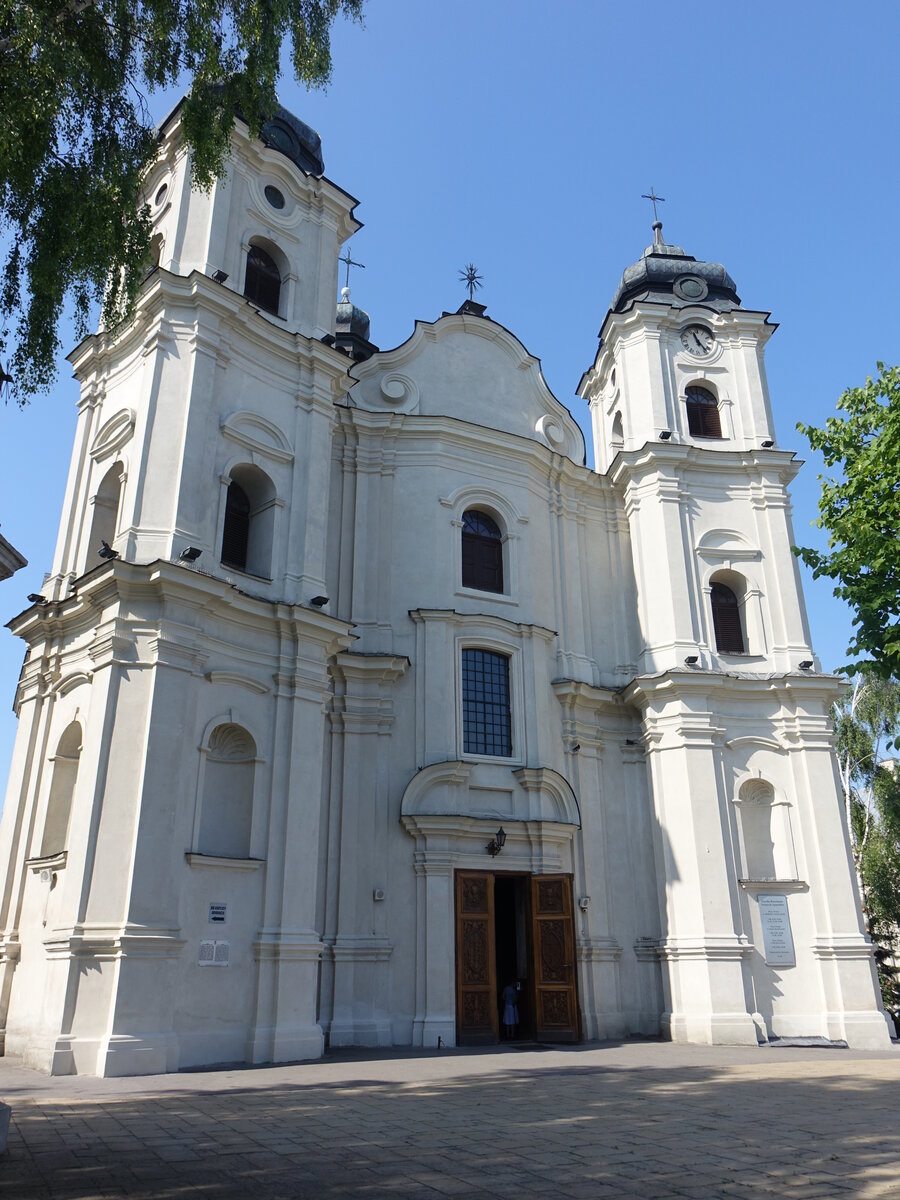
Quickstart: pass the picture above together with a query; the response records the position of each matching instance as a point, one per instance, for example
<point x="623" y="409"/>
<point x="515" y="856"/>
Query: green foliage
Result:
<point x="75" y="139"/>
<point x="860" y="509"/>
<point x="867" y="725"/>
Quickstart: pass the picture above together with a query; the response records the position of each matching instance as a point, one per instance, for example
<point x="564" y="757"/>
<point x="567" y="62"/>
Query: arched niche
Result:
<point x="62" y="790"/>
<point x="225" y="821"/>
<point x="767" y="845"/>
<point x="105" y="518"/>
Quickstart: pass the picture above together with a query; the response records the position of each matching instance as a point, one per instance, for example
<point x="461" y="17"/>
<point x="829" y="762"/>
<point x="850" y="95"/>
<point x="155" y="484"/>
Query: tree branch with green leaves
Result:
<point x="867" y="734"/>
<point x="76" y="140"/>
<point x="859" y="507"/>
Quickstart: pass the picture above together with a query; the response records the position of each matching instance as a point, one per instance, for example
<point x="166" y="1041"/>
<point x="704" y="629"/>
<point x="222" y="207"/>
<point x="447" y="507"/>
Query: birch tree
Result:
<point x="76" y="140"/>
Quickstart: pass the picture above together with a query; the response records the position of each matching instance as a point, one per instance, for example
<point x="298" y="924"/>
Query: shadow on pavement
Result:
<point x="572" y="1131"/>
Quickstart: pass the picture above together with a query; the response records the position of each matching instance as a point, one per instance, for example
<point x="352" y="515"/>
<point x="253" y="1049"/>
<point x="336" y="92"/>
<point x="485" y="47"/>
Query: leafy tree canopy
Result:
<point x="867" y="733"/>
<point x="76" y="139"/>
<point x="860" y="509"/>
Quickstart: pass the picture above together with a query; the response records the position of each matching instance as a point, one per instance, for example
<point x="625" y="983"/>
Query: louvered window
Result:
<point x="727" y="620"/>
<point x="236" y="534"/>
<point x="262" y="283"/>
<point x="487" y="721"/>
<point x="703" y="413"/>
<point x="482" y="552"/>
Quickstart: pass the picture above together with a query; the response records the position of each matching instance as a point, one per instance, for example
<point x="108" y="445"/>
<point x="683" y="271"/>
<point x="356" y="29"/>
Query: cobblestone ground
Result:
<point x="644" y="1120"/>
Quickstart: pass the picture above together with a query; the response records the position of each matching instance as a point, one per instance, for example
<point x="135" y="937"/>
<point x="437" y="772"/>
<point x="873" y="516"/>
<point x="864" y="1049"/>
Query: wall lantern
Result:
<point x="497" y="842"/>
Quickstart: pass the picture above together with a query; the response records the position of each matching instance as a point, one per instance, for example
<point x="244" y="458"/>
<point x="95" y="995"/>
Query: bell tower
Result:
<point x="682" y="423"/>
<point x="163" y="810"/>
<point x="735" y="717"/>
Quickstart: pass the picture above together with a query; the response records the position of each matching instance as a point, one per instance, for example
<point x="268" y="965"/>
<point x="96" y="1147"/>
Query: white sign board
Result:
<point x="214" y="954"/>
<point x="776" y="930"/>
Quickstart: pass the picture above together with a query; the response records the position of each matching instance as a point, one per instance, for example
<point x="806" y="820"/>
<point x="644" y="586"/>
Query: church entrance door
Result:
<point x="515" y="930"/>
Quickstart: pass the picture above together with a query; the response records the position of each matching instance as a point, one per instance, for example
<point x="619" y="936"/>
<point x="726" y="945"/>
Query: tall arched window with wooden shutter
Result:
<point x="726" y="613"/>
<point x="262" y="282"/>
<point x="702" y="413"/>
<point x="482" y="552"/>
<point x="249" y="525"/>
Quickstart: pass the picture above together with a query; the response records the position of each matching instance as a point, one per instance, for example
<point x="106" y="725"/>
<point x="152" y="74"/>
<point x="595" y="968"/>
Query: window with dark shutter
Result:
<point x="262" y="283"/>
<point x="702" y="413"/>
<point x="236" y="534"/>
<point x="482" y="552"/>
<point x="487" y="721"/>
<point x="727" y="620"/>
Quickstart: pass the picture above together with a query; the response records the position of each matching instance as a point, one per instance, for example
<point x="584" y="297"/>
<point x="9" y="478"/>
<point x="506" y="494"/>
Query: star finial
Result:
<point x="470" y="277"/>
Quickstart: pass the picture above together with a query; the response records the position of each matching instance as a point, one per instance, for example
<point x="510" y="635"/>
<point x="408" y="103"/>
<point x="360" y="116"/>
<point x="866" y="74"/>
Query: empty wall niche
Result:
<point x="767" y="844"/>
<point x="226" y="802"/>
<point x="62" y="790"/>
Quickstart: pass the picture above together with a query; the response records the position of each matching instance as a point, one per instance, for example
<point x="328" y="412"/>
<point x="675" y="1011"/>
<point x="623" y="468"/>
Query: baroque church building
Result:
<point x="356" y="698"/>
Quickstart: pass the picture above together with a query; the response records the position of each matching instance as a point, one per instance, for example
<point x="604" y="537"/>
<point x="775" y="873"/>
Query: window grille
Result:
<point x="487" y="720"/>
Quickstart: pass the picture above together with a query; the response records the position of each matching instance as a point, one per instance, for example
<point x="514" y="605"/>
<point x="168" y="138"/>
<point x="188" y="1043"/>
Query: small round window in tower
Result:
<point x="161" y="195"/>
<point x="274" y="197"/>
<point x="690" y="287"/>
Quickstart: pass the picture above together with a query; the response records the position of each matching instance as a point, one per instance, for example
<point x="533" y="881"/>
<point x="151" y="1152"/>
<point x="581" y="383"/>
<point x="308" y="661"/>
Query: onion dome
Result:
<point x="664" y="274"/>
<point x="351" y="329"/>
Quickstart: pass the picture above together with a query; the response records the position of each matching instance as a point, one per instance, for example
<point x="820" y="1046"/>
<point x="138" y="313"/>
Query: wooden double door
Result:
<point x="515" y="929"/>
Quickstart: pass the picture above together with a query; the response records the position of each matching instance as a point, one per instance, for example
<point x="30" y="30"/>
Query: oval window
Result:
<point x="274" y="197"/>
<point x="161" y="195"/>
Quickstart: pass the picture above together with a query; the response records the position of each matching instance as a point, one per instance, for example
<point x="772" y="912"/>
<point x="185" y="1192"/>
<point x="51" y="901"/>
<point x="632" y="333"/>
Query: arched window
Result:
<point x="726" y="612"/>
<point x="226" y="812"/>
<point x="618" y="432"/>
<point x="482" y="552"/>
<point x="248" y="531"/>
<point x="702" y="413"/>
<point x="62" y="789"/>
<point x="262" y="282"/>
<point x="487" y="718"/>
<point x="106" y="512"/>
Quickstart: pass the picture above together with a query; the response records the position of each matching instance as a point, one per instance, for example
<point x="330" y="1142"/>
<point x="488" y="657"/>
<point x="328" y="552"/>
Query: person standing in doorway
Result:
<point x="510" y="1011"/>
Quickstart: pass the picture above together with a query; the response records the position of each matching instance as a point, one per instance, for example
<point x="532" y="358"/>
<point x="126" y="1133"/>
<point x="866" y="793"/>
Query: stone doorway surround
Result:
<point x="452" y="824"/>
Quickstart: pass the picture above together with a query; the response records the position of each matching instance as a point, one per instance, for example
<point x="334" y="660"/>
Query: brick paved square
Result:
<point x="648" y="1120"/>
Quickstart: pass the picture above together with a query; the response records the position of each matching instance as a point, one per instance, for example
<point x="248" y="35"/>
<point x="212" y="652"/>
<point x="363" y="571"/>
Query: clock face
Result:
<point x="697" y="340"/>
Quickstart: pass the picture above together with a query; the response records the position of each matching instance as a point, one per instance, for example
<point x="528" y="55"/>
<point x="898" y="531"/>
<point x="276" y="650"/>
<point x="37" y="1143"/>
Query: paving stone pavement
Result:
<point x="599" y="1122"/>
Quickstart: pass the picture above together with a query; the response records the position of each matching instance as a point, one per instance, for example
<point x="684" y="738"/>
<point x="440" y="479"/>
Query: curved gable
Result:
<point x="471" y="369"/>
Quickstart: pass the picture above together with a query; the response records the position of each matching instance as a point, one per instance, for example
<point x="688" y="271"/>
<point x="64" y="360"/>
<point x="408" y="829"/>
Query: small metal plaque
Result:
<point x="776" y="930"/>
<point x="217" y="913"/>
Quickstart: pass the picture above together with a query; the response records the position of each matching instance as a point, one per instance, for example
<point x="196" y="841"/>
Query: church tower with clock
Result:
<point x="354" y="696"/>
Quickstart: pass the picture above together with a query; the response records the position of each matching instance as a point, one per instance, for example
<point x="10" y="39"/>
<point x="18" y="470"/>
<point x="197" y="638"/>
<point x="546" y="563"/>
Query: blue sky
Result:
<point x="521" y="136"/>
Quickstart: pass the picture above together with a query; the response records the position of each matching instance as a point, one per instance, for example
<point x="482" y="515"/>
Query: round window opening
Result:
<point x="160" y="195"/>
<point x="274" y="197"/>
<point x="691" y="288"/>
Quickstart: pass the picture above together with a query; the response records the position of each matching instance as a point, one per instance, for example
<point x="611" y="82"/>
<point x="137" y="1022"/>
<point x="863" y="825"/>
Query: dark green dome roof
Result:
<point x="664" y="274"/>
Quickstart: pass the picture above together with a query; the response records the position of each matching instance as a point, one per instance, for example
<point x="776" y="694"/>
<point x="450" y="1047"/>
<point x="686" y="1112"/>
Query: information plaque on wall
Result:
<point x="776" y="930"/>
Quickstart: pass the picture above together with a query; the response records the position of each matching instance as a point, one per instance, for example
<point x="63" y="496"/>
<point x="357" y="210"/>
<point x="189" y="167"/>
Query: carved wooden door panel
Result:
<point x="553" y="933"/>
<point x="476" y="983"/>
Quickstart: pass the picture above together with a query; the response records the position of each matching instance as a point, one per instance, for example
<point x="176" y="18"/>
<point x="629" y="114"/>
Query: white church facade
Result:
<point x="378" y="700"/>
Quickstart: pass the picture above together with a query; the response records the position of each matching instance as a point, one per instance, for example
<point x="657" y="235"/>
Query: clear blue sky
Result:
<point x="521" y="136"/>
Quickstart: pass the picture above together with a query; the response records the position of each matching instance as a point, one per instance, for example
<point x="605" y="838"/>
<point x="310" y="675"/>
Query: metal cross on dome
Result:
<point x="655" y="200"/>
<point x="350" y="263"/>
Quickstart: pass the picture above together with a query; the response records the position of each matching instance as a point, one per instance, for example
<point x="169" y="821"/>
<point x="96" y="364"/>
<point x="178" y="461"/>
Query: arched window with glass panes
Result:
<point x="702" y="413"/>
<point x="482" y="552"/>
